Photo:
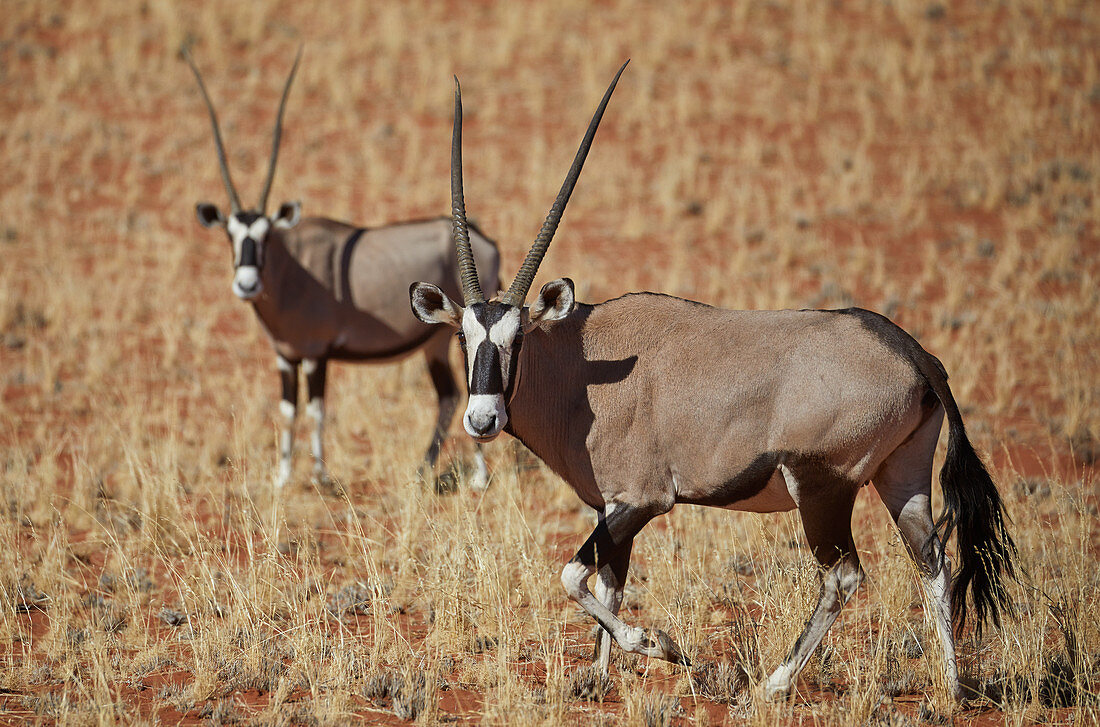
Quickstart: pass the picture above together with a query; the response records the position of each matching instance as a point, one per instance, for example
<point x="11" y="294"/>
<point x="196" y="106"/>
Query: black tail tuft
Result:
<point x="973" y="509"/>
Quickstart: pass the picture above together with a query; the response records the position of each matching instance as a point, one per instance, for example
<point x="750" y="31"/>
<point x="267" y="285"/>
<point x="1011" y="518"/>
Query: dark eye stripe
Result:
<point x="513" y="365"/>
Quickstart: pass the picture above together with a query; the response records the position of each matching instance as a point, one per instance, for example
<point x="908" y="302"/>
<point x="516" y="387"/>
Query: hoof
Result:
<point x="775" y="692"/>
<point x="661" y="645"/>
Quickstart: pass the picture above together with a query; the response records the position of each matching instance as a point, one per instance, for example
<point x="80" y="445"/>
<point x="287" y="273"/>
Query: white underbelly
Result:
<point x="775" y="497"/>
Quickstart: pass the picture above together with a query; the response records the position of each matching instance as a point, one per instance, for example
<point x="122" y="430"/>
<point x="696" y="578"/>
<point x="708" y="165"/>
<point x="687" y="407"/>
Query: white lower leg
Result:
<point x="480" y="479"/>
<point x="938" y="591"/>
<point x="605" y="594"/>
<point x="574" y="577"/>
<point x="316" y="410"/>
<point x="286" y="442"/>
<point x="839" y="585"/>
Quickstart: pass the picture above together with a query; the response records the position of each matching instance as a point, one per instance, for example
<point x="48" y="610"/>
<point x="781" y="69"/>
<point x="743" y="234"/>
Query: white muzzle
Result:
<point x="246" y="282"/>
<point x="485" y="416"/>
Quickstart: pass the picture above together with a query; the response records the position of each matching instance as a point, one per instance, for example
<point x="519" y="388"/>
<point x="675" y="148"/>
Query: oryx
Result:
<point x="329" y="291"/>
<point x="646" y="401"/>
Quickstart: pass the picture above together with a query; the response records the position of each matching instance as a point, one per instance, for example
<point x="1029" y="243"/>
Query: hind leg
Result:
<point x="288" y="409"/>
<point x="904" y="483"/>
<point x="316" y="371"/>
<point x="826" y="511"/>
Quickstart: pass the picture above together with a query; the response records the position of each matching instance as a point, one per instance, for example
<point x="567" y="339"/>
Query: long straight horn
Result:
<point x="471" y="288"/>
<point x="278" y="133"/>
<point x="526" y="275"/>
<point x="234" y="200"/>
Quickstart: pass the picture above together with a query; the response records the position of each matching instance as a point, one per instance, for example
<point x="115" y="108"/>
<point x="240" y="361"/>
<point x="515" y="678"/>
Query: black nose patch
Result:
<point x="485" y="376"/>
<point x="248" y="253"/>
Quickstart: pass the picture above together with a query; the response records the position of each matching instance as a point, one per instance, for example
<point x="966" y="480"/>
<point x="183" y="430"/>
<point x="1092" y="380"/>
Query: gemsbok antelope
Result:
<point x="647" y="401"/>
<point x="329" y="291"/>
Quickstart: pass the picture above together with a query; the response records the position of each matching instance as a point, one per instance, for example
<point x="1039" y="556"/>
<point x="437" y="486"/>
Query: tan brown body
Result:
<point x="332" y="290"/>
<point x="630" y="378"/>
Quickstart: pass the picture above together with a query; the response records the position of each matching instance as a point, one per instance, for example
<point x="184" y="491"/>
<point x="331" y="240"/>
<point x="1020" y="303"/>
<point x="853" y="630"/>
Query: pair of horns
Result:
<point x="234" y="199"/>
<point x="517" y="293"/>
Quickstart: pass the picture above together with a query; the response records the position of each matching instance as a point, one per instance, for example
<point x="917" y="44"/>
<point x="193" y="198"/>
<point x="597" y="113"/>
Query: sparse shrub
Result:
<point x="356" y="598"/>
<point x="106" y="614"/>
<point x="408" y="693"/>
<point x="657" y="710"/>
<point x="171" y="616"/>
<point x="221" y="712"/>
<point x="26" y="597"/>
<point x="720" y="681"/>
<point x="590" y="684"/>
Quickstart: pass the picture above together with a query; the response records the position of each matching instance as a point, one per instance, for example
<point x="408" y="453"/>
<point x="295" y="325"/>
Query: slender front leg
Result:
<point x="614" y="536"/>
<point x="610" y="581"/>
<point x="480" y="479"/>
<point x="288" y="408"/>
<point x="315" y="370"/>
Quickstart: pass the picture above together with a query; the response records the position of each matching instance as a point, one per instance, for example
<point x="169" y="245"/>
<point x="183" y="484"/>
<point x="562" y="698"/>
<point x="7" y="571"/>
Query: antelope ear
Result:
<point x="288" y="215"/>
<point x="555" y="302"/>
<point x="209" y="215"/>
<point x="431" y="305"/>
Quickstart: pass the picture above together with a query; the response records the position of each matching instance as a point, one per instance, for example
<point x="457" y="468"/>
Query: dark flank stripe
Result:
<point x="338" y="353"/>
<point x="752" y="480"/>
<point x="345" y="264"/>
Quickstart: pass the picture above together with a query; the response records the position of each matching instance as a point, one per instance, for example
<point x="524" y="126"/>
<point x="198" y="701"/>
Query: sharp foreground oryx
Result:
<point x="647" y="401"/>
<point x="325" y="290"/>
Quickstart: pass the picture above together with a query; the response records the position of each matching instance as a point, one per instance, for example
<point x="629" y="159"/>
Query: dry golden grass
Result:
<point x="938" y="163"/>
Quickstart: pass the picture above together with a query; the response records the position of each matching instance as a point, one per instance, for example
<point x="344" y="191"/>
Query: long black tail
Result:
<point x="972" y="505"/>
<point x="974" y="511"/>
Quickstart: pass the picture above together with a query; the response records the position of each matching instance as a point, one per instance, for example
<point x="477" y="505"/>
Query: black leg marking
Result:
<point x="609" y="545"/>
<point x="315" y="380"/>
<point x="610" y="581"/>
<point x="288" y="375"/>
